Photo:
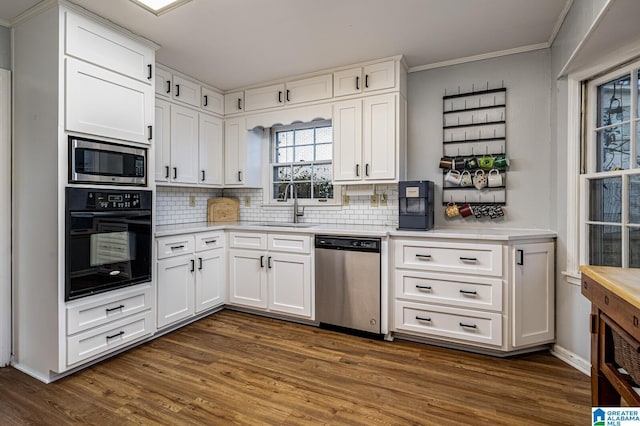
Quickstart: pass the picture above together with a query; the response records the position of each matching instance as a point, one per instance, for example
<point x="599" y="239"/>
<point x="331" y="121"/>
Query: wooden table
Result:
<point x="615" y="307"/>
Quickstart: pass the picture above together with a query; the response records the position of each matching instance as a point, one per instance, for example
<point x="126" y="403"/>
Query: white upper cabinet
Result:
<point x="186" y="91"/>
<point x="309" y="89"/>
<point x="293" y="92"/>
<point x="366" y="139"/>
<point x="211" y="150"/>
<point x="212" y="101"/>
<point x="163" y="84"/>
<point x="108" y="48"/>
<point x="184" y="145"/>
<point x="234" y="102"/>
<point x="264" y="97"/>
<point x="364" y="79"/>
<point x="162" y="140"/>
<point x="242" y="154"/>
<point x="103" y="103"/>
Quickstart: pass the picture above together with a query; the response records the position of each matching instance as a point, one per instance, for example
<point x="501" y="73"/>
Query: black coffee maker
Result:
<point x="415" y="204"/>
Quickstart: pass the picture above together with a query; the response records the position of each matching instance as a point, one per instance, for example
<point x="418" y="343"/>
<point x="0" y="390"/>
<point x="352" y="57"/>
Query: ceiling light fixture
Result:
<point x="158" y="7"/>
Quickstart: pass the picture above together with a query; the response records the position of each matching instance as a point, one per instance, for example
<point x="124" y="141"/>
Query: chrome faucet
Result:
<point x="297" y="210"/>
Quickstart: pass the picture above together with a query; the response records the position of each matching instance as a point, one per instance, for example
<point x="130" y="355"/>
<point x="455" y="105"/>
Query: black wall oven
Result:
<point x="108" y="240"/>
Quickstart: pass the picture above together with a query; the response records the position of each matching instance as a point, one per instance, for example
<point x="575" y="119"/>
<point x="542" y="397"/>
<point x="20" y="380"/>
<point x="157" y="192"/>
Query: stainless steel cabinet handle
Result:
<point x="423" y="287"/>
<point x="114" y="309"/>
<point x="423" y="319"/>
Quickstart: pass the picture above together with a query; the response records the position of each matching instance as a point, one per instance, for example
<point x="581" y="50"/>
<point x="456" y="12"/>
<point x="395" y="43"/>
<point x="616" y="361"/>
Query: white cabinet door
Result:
<point x="234" y="102"/>
<point x="212" y="101"/>
<point x="347" y="140"/>
<point x="211" y="154"/>
<point x="347" y="82"/>
<point x="186" y="91"/>
<point x="235" y="151"/>
<point x="264" y="97"/>
<point x="96" y="43"/>
<point x="380" y="137"/>
<point x="163" y="82"/>
<point x="184" y="145"/>
<point x="309" y="89"/>
<point x="289" y="283"/>
<point x="247" y="278"/>
<point x="210" y="279"/>
<point x="102" y="103"/>
<point x="379" y="76"/>
<point x="533" y="293"/>
<point x="162" y="141"/>
<point x="175" y="281"/>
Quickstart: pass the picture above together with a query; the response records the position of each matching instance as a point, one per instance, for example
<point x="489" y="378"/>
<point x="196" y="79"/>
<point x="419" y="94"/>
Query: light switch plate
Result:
<point x="247" y="201"/>
<point x="192" y="200"/>
<point x="383" y="200"/>
<point x="345" y="200"/>
<point x="374" y="200"/>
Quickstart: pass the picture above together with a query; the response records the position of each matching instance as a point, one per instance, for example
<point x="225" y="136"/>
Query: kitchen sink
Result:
<point x="286" y="224"/>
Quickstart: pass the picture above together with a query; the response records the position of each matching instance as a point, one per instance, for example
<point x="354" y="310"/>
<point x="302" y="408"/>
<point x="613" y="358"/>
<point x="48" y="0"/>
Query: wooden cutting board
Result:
<point x="223" y="209"/>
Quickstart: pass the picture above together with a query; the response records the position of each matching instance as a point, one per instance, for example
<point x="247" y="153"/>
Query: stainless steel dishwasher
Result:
<point x="348" y="282"/>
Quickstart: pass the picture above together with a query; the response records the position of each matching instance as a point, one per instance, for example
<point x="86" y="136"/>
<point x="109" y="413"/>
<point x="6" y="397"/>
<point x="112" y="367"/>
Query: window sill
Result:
<point x="306" y="206"/>
<point x="573" y="278"/>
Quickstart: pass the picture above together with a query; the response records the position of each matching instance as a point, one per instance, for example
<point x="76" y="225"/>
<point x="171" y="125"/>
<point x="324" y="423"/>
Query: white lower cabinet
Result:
<point x="190" y="275"/>
<point x="103" y="323"/>
<point x="271" y="272"/>
<point x="497" y="296"/>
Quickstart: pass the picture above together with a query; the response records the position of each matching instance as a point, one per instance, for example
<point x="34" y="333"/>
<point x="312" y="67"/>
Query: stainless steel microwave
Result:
<point x="92" y="161"/>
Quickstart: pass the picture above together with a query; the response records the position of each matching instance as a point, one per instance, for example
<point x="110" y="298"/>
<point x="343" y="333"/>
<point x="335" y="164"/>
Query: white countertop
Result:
<point x="494" y="234"/>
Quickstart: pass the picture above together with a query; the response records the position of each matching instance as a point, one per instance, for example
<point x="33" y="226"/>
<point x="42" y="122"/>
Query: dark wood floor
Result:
<point x="236" y="368"/>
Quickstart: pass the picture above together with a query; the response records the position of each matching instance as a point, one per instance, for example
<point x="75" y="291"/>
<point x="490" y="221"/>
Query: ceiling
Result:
<point x="234" y="43"/>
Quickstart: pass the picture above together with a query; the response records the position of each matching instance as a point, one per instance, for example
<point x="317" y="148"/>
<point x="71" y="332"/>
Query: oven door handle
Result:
<point x="111" y="214"/>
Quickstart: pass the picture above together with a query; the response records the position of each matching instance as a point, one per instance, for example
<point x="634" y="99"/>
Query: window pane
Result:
<point x="637" y="163"/>
<point x="304" y="137"/>
<point x="322" y="172"/>
<point x="279" y="190"/>
<point x="323" y="152"/>
<point x="282" y="174"/>
<point x="605" y="199"/>
<point x="283" y="155"/>
<point x="302" y="173"/>
<point x="634" y="199"/>
<point x="614" y="101"/>
<point x="634" y="248"/>
<point x="304" y="153"/>
<point x="605" y="245"/>
<point x="324" y="134"/>
<point x="613" y="148"/>
<point x="284" y="139"/>
<point x="323" y="190"/>
<point x="638" y="97"/>
<point x="304" y="189"/>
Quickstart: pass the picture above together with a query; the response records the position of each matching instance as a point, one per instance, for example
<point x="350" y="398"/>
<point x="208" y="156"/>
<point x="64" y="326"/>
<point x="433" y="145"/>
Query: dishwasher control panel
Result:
<point x="332" y="242"/>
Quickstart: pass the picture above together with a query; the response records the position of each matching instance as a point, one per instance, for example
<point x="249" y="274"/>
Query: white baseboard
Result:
<point x="572" y="359"/>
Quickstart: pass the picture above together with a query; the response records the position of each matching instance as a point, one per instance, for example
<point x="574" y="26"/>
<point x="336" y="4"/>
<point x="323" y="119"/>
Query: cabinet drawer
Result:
<point x="482" y="293"/>
<point x="477" y="259"/>
<point x="209" y="240"/>
<point x="108" y="48"/>
<point x="84" y="316"/>
<point x="250" y="240"/>
<point x="109" y="337"/>
<point x="291" y="243"/>
<point x="462" y="324"/>
<point x="175" y="246"/>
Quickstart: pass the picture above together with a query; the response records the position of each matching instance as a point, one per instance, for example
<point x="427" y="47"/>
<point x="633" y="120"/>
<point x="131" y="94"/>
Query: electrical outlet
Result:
<point x="192" y="200"/>
<point x="247" y="201"/>
<point x="345" y="200"/>
<point x="374" y="200"/>
<point x="383" y="200"/>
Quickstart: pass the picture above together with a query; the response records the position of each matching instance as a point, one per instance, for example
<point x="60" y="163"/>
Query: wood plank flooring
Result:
<point x="236" y="368"/>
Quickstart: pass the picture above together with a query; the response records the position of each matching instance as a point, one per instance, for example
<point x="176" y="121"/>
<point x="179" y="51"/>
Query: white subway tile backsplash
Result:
<point x="172" y="206"/>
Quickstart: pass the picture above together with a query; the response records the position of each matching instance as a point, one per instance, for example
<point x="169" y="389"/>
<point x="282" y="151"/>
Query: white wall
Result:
<point x="5" y="217"/>
<point x="528" y="81"/>
<point x="572" y="309"/>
